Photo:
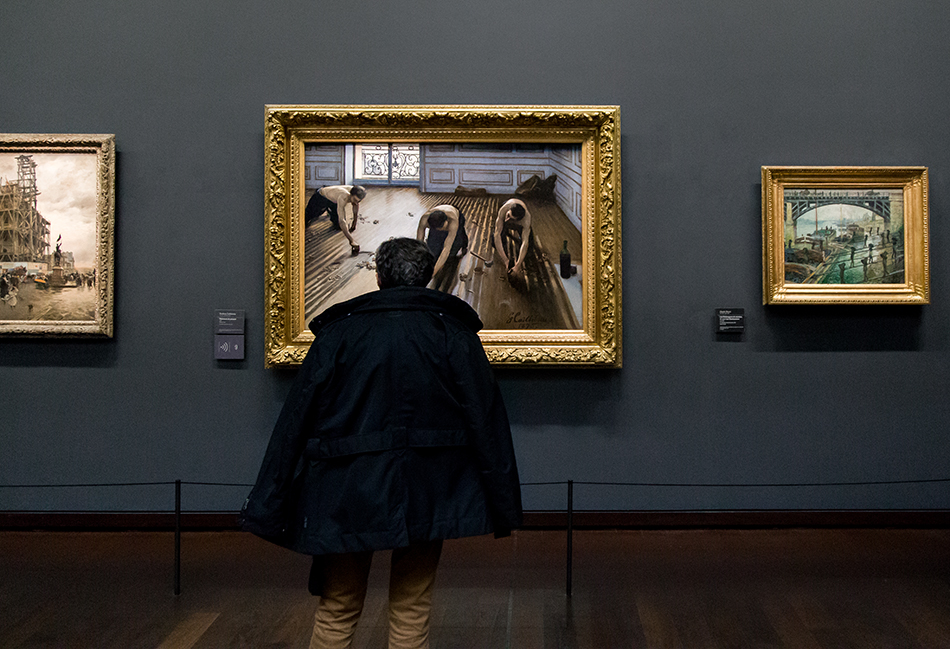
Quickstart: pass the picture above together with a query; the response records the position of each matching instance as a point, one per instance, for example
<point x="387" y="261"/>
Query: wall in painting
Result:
<point x="323" y="165"/>
<point x="502" y="169"/>
<point x="566" y="163"/>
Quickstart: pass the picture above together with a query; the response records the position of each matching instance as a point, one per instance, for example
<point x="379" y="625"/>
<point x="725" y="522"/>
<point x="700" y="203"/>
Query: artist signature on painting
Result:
<point x="521" y="320"/>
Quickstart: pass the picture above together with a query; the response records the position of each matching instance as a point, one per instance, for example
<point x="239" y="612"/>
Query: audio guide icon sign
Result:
<point x="229" y="347"/>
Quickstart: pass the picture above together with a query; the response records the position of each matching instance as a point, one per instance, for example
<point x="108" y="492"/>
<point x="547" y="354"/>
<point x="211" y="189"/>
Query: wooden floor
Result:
<point x="332" y="274"/>
<point x="756" y="588"/>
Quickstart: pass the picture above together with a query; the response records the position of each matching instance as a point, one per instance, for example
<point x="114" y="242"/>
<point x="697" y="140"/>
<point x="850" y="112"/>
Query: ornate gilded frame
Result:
<point x="595" y="128"/>
<point x="102" y="146"/>
<point x="846" y="186"/>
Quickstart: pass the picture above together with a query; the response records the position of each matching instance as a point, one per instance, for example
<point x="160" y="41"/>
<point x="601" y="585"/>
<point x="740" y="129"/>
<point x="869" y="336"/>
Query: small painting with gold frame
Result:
<point x="845" y="235"/>
<point x="531" y="198"/>
<point x="57" y="233"/>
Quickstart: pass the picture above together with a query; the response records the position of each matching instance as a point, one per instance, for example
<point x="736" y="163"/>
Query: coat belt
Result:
<point x="384" y="440"/>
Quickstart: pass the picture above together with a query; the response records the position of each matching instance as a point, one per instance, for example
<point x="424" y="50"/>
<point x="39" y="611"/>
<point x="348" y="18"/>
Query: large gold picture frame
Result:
<point x="469" y="157"/>
<point x="57" y="235"/>
<point x="845" y="235"/>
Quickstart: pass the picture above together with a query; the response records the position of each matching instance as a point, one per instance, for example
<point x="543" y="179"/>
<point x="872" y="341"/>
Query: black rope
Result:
<point x="104" y="484"/>
<point x="535" y="484"/>
<point x="705" y="485"/>
<point x="122" y="484"/>
<point x="219" y="484"/>
<point x="764" y="484"/>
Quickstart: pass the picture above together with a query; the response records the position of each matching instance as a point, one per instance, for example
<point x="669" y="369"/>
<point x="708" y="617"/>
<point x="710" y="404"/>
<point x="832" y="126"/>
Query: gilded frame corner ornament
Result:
<point x="96" y="192"/>
<point x="860" y="252"/>
<point x="595" y="130"/>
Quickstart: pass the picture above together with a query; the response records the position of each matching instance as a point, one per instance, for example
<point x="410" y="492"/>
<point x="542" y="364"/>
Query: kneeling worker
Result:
<point x="447" y="236"/>
<point x="333" y="200"/>
<point x="513" y="226"/>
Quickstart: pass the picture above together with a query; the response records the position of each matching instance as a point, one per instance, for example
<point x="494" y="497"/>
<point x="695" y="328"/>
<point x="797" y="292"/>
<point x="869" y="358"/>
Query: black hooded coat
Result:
<point x="394" y="431"/>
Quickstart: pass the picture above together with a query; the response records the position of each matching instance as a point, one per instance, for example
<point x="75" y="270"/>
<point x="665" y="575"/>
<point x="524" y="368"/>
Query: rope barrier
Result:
<point x="865" y="483"/>
<point x="570" y="501"/>
<point x="102" y="484"/>
<point x="703" y="485"/>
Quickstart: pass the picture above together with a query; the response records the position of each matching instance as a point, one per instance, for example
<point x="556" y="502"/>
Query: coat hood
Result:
<point x="401" y="298"/>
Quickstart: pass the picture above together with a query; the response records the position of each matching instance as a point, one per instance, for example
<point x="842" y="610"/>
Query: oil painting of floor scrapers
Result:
<point x="48" y="211"/>
<point x="483" y="188"/>
<point x="842" y="236"/>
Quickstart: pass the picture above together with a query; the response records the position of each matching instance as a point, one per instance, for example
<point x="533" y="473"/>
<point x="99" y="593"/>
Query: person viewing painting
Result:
<point x="394" y="436"/>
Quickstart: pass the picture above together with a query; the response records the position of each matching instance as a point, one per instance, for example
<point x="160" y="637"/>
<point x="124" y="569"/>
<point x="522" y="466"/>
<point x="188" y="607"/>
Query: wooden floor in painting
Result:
<point x="796" y="588"/>
<point x="332" y="274"/>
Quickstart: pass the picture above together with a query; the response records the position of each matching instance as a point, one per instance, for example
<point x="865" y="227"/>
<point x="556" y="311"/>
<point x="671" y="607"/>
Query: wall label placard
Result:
<point x="730" y="321"/>
<point x="229" y="321"/>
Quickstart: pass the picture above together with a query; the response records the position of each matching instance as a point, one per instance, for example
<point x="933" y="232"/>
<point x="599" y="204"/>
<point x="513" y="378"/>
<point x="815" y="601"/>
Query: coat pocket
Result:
<point x="353" y="495"/>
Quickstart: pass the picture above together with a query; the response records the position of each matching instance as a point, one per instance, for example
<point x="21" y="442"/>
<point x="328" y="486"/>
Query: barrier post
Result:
<point x="177" y="538"/>
<point x="570" y="535"/>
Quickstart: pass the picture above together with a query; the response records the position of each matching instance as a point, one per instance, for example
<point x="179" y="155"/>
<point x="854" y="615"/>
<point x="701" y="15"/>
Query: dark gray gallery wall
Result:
<point x="709" y="92"/>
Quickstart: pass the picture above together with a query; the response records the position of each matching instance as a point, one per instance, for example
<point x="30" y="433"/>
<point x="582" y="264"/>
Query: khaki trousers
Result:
<point x="412" y="576"/>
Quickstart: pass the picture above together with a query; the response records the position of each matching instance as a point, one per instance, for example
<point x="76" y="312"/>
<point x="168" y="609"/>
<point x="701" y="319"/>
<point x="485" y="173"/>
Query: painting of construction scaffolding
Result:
<point x="475" y="183"/>
<point x="47" y="236"/>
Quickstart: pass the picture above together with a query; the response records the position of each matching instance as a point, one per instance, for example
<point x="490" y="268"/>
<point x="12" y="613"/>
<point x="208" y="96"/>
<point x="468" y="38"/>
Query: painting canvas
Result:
<point x="519" y="205"/>
<point x="845" y="235"/>
<point x="56" y="235"/>
<point x="481" y="185"/>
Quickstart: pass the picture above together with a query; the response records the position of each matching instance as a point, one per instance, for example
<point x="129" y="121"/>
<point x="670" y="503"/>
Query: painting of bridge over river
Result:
<point x="844" y="236"/>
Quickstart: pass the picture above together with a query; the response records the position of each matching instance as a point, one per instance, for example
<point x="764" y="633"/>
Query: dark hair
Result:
<point x="436" y="218"/>
<point x="358" y="191"/>
<point x="517" y="211"/>
<point x="404" y="262"/>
